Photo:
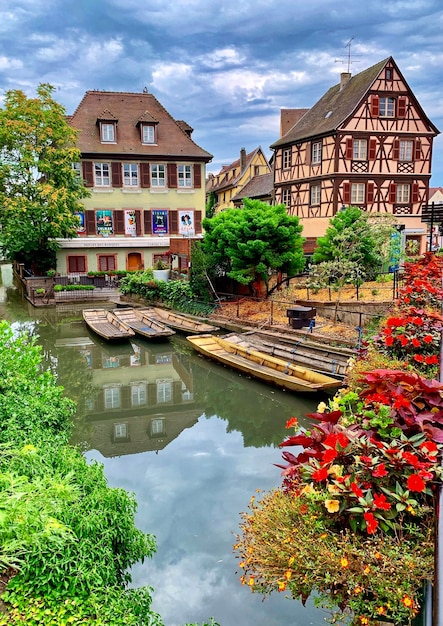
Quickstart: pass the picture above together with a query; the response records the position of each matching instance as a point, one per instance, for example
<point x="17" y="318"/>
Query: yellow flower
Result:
<point x="407" y="601"/>
<point x="323" y="536"/>
<point x="251" y="581"/>
<point x="322" y="407"/>
<point x="344" y="562"/>
<point x="281" y="585"/>
<point x="358" y="590"/>
<point x="291" y="560"/>
<point x="241" y="564"/>
<point x="307" y="489"/>
<point x="410" y="509"/>
<point x="366" y="569"/>
<point x="288" y="574"/>
<point x="335" y="470"/>
<point x="29" y="448"/>
<point x="333" y="488"/>
<point x="381" y="610"/>
<point x="332" y="506"/>
<point x="364" y="620"/>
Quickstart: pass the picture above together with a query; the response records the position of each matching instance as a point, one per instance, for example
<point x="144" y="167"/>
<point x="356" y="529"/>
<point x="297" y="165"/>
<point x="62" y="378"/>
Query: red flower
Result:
<point x="380" y="471"/>
<point x="401" y="401"/>
<point x="426" y="475"/>
<point x="366" y="459"/>
<point x="412" y="459"/>
<point x="416" y="342"/>
<point x="389" y="340"/>
<point x="356" y="490"/>
<point x="431" y="360"/>
<point x="329" y="455"/>
<point x="429" y="448"/>
<point x="378" y="397"/>
<point x="293" y="421"/>
<point x="394" y="321"/>
<point x="418" y="321"/>
<point x="415" y="483"/>
<point x="336" y="438"/>
<point x="380" y="502"/>
<point x="320" y="474"/>
<point x="419" y="358"/>
<point x="403" y="340"/>
<point x="371" y="522"/>
<point x="428" y="338"/>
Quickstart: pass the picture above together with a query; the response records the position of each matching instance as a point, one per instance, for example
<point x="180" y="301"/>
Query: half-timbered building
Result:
<point x="368" y="143"/>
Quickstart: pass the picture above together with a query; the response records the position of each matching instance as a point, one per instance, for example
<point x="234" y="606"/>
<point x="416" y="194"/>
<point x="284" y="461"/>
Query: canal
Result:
<point x="192" y="439"/>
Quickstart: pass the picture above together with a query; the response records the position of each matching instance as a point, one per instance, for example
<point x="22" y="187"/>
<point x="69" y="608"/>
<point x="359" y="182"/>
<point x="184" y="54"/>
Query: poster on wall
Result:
<point x="130" y="224"/>
<point x="81" y="228"/>
<point x="159" y="222"/>
<point x="186" y="223"/>
<point x="104" y="223"/>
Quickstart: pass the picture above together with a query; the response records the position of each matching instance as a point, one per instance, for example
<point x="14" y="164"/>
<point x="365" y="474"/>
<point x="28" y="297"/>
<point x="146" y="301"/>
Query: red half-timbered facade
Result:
<point x="368" y="143"/>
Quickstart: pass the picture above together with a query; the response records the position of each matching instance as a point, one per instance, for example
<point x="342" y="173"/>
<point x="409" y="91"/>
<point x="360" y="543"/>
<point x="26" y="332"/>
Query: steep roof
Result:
<point x="289" y="117"/>
<point x="258" y="187"/>
<point x="130" y="109"/>
<point x="225" y="175"/>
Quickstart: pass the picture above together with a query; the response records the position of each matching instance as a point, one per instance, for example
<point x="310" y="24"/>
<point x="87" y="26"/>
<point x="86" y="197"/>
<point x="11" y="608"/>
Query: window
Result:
<point x="256" y="170"/>
<point x="76" y="264"/>
<point x="403" y="194"/>
<point x="157" y="427"/>
<point x="120" y="431"/>
<point x="387" y="107"/>
<point x="106" y="263"/>
<point x="112" y="397"/>
<point x="138" y="395"/>
<point x="286" y="196"/>
<point x="357" y="193"/>
<point x="316" y="152"/>
<point x="130" y="174"/>
<point x="157" y="175"/>
<point x="388" y="73"/>
<point x="406" y="147"/>
<point x="164" y="391"/>
<point x="107" y="133"/>
<point x="102" y="174"/>
<point x="360" y="150"/>
<point x="315" y="194"/>
<point x="287" y="158"/>
<point x="77" y="169"/>
<point x="148" y="134"/>
<point x="184" y="176"/>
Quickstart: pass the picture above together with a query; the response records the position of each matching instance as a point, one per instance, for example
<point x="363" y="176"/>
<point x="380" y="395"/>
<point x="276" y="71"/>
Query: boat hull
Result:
<point x="262" y="366"/>
<point x="106" y="325"/>
<point x="143" y="325"/>
<point x="179" y="322"/>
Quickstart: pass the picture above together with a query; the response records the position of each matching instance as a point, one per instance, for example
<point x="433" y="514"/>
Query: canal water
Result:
<point x="192" y="439"/>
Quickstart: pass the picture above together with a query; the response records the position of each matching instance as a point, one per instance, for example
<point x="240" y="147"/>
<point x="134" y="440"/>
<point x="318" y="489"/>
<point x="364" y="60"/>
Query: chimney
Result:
<point x="242" y="159"/>
<point x="344" y="78"/>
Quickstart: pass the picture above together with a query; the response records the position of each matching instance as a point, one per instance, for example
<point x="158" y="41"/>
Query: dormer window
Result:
<point x="148" y="133"/>
<point x="107" y="132"/>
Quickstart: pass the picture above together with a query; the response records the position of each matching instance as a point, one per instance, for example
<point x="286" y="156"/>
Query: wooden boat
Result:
<point x="105" y="324"/>
<point x="179" y="322"/>
<point x="328" y="360"/>
<point x="261" y="365"/>
<point x="143" y="325"/>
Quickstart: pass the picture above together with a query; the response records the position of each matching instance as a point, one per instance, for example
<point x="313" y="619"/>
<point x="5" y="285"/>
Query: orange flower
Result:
<point x="293" y="421"/>
<point x="332" y="506"/>
<point x="251" y="581"/>
<point x="288" y="574"/>
<point x="281" y="585"/>
<point x="407" y="601"/>
<point x="344" y="562"/>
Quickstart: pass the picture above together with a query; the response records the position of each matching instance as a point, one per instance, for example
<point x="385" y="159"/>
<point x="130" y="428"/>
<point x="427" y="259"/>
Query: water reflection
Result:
<point x="193" y="440"/>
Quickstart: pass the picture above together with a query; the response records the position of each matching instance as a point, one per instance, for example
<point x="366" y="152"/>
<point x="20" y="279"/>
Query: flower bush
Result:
<point x="352" y="524"/>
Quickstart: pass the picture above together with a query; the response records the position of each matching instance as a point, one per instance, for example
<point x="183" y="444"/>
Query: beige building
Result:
<point x="146" y="177"/>
<point x="368" y="143"/>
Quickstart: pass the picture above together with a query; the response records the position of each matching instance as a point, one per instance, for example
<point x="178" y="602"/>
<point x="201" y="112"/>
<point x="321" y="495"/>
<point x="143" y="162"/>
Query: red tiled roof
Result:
<point x="130" y="109"/>
<point x="290" y="117"/>
<point x="258" y="187"/>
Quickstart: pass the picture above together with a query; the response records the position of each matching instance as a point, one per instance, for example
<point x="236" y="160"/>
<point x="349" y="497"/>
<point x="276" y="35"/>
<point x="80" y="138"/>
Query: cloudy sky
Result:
<point x="227" y="67"/>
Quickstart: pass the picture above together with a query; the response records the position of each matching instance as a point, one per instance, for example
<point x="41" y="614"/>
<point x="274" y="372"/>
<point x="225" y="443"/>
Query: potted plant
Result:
<point x="161" y="270"/>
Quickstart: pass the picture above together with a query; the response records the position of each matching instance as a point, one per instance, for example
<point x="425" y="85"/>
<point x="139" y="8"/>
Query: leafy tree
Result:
<point x="210" y="205"/>
<point x="247" y="243"/>
<point x="39" y="189"/>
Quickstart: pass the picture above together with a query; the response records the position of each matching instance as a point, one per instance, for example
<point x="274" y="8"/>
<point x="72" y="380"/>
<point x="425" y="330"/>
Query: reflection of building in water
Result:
<point x="144" y="397"/>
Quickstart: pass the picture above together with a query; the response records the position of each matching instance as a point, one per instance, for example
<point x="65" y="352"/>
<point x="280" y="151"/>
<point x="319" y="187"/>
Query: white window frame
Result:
<point x="358" y="193"/>
<point x="184" y="176"/>
<point x="130" y="175"/>
<point x="316" y="150"/>
<point x="120" y="431"/>
<point x="360" y="150"/>
<point x="403" y="193"/>
<point x="386" y="107"/>
<point x="406" y="149"/>
<point x="139" y="396"/>
<point x="287" y="158"/>
<point x="107" y="132"/>
<point x="112" y="397"/>
<point x="315" y="194"/>
<point x="102" y="174"/>
<point x="77" y="167"/>
<point x="164" y="391"/>
<point x="157" y="426"/>
<point x="158" y="175"/>
<point x="148" y="133"/>
<point x="286" y="196"/>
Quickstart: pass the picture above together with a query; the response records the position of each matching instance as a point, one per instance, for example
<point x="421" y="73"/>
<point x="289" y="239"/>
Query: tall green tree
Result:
<point x="247" y="243"/>
<point x="39" y="189"/>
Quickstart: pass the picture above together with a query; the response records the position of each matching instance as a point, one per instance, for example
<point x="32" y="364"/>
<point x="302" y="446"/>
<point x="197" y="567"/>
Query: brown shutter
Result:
<point x="116" y="169"/>
<point x="172" y="175"/>
<point x="414" y="196"/>
<point x="372" y="149"/>
<point x="401" y="106"/>
<point x="375" y="106"/>
<point x="396" y="149"/>
<point x="145" y="179"/>
<point x="173" y="222"/>
<point x="88" y="174"/>
<point x="369" y="193"/>
<point x="138" y="222"/>
<point x="197" y="176"/>
<point x="119" y="223"/>
<point x="198" y="221"/>
<point x="347" y="194"/>
<point x="90" y="222"/>
<point x="308" y="151"/>
<point x="393" y="193"/>
<point x="147" y="222"/>
<point x="349" y="148"/>
<point x="417" y="150"/>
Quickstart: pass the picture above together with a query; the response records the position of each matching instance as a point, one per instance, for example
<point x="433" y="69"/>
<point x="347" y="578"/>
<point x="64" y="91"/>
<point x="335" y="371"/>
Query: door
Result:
<point x="134" y="261"/>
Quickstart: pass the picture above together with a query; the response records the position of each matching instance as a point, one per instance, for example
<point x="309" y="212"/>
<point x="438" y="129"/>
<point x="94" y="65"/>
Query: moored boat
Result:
<point x="179" y="322"/>
<point x="142" y="324"/>
<point x="106" y="324"/>
<point x="262" y="366"/>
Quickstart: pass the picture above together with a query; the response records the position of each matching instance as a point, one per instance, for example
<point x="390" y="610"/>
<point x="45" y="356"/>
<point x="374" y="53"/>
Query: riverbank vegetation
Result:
<point x="353" y="522"/>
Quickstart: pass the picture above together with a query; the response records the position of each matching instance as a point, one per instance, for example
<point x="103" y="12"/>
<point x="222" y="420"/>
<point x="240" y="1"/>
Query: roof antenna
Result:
<point x="348" y="56"/>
